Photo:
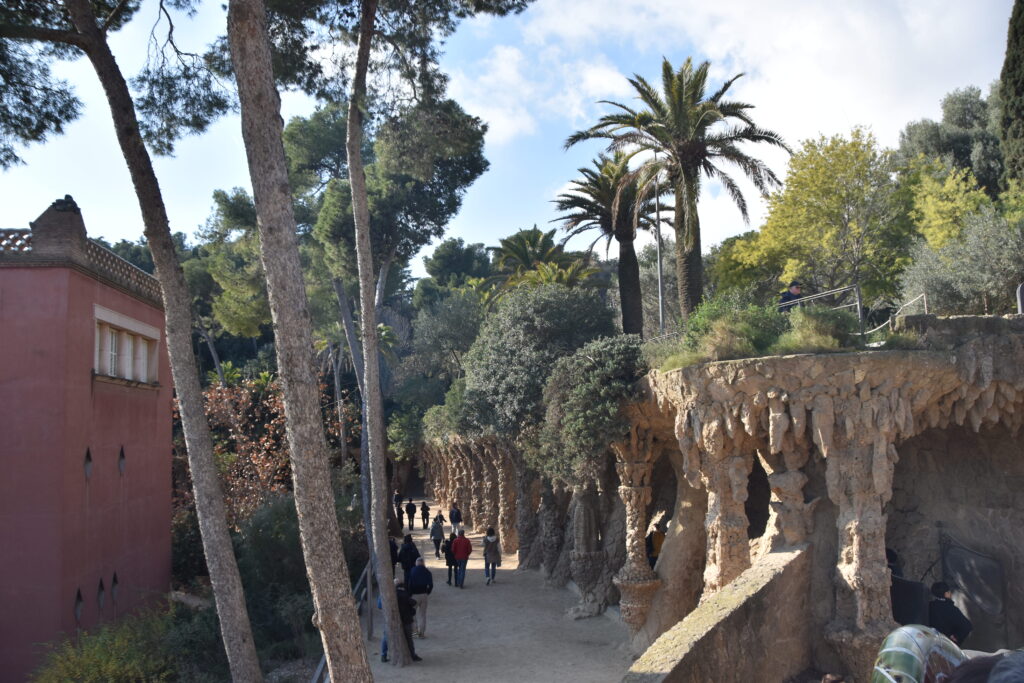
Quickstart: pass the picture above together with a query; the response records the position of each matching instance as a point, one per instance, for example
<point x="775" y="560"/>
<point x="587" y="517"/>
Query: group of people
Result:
<point x="409" y="510"/>
<point x="415" y="583"/>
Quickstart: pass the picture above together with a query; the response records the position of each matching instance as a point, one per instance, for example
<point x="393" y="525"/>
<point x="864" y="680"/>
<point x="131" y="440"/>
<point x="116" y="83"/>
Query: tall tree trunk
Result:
<point x="262" y="130"/>
<point x="220" y="558"/>
<point x="208" y="338"/>
<point x="689" y="265"/>
<point x="629" y="289"/>
<point x="339" y="404"/>
<point x="372" y="399"/>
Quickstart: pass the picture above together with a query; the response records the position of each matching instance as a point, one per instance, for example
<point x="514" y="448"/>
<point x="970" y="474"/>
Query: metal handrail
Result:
<point x="363" y="594"/>
<point x="899" y="310"/>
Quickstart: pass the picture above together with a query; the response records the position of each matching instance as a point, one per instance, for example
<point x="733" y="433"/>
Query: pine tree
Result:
<point x="1011" y="128"/>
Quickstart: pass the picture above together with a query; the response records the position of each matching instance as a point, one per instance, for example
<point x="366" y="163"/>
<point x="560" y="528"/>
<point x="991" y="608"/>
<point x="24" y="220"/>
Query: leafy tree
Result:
<point x="728" y="271"/>
<point x="964" y="140"/>
<point x="680" y="125"/>
<point x="839" y="220"/>
<point x="648" y="259"/>
<point x="453" y="261"/>
<point x="1011" y="92"/>
<point x="607" y="200"/>
<point x="583" y="395"/>
<point x="509" y="363"/>
<point x="523" y="250"/>
<point x="975" y="273"/>
<point x="942" y="200"/>
<point x="576" y="274"/>
<point x="81" y="27"/>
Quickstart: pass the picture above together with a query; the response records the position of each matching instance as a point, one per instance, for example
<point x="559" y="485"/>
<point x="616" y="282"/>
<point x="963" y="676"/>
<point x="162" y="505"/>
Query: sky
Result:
<point x="810" y="68"/>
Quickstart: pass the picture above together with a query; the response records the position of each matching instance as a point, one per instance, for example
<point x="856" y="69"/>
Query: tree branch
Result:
<point x="46" y="35"/>
<point x="114" y="14"/>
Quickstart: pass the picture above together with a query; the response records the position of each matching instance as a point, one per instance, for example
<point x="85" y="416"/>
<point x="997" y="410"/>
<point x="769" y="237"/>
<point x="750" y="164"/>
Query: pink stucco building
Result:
<point x="85" y="437"/>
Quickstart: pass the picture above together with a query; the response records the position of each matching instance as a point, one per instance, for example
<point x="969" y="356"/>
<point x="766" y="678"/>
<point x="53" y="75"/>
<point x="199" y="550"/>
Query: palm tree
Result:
<point x="523" y="250"/>
<point x="679" y="125"/>
<point x="606" y="200"/>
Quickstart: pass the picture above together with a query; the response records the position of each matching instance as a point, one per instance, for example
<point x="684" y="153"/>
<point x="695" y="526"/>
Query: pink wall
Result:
<point x="61" y="532"/>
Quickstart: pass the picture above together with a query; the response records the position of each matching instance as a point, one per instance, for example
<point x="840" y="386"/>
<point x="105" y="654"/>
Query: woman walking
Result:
<point x="492" y="555"/>
<point x="449" y="556"/>
<point x="407" y="555"/>
<point x="437" y="535"/>
<point x="425" y="513"/>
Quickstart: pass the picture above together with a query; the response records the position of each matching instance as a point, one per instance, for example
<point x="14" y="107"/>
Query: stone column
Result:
<point x="728" y="549"/>
<point x="507" y="501"/>
<point x="527" y="502"/>
<point x="636" y="581"/>
<point x="489" y="459"/>
<point x="587" y="560"/>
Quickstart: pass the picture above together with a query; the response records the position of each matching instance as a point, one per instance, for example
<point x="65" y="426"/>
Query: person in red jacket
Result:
<point x="462" y="548"/>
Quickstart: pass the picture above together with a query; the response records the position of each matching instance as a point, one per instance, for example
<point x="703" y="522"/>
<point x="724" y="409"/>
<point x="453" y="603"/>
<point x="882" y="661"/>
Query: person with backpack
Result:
<point x="492" y="555"/>
<point x="455" y="517"/>
<point x="437" y="535"/>
<point x="407" y="555"/>
<point x="449" y="556"/>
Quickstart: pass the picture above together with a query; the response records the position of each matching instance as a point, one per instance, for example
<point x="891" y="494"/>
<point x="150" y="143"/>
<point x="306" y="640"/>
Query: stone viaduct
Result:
<point x="783" y="481"/>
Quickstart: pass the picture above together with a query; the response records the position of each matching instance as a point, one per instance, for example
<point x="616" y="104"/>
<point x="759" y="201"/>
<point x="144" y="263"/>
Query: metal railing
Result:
<point x="363" y="594"/>
<point x="892" y="316"/>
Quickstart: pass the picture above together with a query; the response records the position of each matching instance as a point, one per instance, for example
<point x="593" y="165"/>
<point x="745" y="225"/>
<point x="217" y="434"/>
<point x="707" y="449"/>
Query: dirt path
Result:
<point x="513" y="630"/>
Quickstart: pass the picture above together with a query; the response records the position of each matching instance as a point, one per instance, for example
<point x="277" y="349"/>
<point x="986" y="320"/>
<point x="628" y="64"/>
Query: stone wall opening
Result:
<point x="759" y="496"/>
<point x="967" y="488"/>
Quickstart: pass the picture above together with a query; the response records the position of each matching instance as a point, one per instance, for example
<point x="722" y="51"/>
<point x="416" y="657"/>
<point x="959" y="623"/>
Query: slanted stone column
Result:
<point x="587" y="560"/>
<point x="528" y="495"/>
<point x="636" y="581"/>
<point x="507" y="500"/>
<point x="489" y="456"/>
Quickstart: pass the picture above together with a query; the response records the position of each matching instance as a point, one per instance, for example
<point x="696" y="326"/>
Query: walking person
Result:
<point x="410" y="512"/>
<point x="407" y="612"/>
<point x="455" y="517"/>
<point x="401" y="517"/>
<point x="424" y="513"/>
<point x="462" y="548"/>
<point x="407" y="555"/>
<point x="492" y="555"/>
<point x="393" y="548"/>
<point x="421" y="585"/>
<point x="449" y="556"/>
<point x="437" y="535"/>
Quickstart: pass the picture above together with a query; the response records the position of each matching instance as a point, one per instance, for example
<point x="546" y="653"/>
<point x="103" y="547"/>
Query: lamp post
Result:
<point x="657" y="234"/>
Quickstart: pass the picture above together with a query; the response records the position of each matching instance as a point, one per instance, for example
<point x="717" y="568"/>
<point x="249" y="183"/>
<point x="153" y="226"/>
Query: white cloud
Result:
<point x="499" y="93"/>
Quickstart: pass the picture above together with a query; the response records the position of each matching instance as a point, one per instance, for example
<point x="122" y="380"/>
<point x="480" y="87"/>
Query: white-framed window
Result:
<point x="125" y="347"/>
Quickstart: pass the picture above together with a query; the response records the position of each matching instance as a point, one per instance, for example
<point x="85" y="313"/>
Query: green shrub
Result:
<point x="908" y="341"/>
<point x="583" y="396"/>
<point x="682" y="359"/>
<point x="187" y="558"/>
<point x="130" y="650"/>
<point x="817" y="329"/>
<point x="193" y="642"/>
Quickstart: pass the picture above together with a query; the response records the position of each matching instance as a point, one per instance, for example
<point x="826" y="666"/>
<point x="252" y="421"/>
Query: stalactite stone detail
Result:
<point x="636" y="581"/>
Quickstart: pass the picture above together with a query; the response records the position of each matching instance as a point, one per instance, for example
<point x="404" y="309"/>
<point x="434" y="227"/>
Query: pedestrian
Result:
<point x="789" y="298"/>
<point x="449" y="556"/>
<point x="410" y="512"/>
<point x="455" y="517"/>
<point x="462" y="548"/>
<point x="437" y="535"/>
<point x="407" y="612"/>
<point x="401" y="517"/>
<point x="424" y="513"/>
<point x="407" y="555"/>
<point x="421" y="585"/>
<point x="945" y="617"/>
<point x="393" y="547"/>
<point x="492" y="555"/>
<point x="398" y="507"/>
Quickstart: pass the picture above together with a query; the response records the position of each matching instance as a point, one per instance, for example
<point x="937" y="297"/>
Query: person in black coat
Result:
<point x="449" y="556"/>
<point x="945" y="617"/>
<point x="393" y="547"/>
<point x="789" y="298"/>
<point x="407" y="612"/>
<point x="407" y="555"/>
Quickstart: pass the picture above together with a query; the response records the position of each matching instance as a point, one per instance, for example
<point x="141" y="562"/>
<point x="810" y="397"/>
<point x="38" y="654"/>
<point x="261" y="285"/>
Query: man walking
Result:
<point x="425" y="513"/>
<point x="421" y="584"/>
<point x="455" y="517"/>
<point x="407" y="612"/>
<point x="462" y="549"/>
<point x="410" y="512"/>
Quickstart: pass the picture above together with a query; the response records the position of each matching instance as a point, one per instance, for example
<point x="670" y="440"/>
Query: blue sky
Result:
<point x="811" y="68"/>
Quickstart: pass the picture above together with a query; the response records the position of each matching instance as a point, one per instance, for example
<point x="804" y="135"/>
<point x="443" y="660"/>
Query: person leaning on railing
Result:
<point x="789" y="298"/>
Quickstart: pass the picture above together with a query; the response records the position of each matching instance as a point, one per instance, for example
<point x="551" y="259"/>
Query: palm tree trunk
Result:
<point x="220" y="558"/>
<point x="314" y="499"/>
<point x="689" y="264"/>
<point x="373" y="404"/>
<point x="629" y="289"/>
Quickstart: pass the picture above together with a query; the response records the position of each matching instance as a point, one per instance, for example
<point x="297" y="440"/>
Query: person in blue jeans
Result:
<point x="462" y="548"/>
<point x="492" y="555"/>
